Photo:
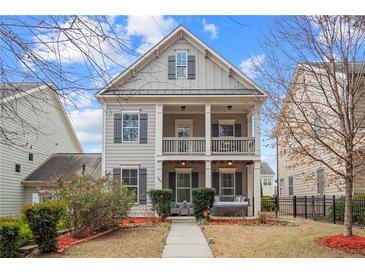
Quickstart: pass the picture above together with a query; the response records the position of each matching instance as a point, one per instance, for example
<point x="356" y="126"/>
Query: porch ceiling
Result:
<point x="221" y="108"/>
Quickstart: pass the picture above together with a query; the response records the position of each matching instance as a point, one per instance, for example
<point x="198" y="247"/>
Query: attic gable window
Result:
<point x="181" y="64"/>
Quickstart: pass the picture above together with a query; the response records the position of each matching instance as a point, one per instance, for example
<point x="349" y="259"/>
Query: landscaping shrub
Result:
<point x="267" y="203"/>
<point x="161" y="200"/>
<point x="358" y="209"/>
<point x="93" y="204"/>
<point x="25" y="233"/>
<point x="42" y="219"/>
<point x="203" y="199"/>
<point x="9" y="243"/>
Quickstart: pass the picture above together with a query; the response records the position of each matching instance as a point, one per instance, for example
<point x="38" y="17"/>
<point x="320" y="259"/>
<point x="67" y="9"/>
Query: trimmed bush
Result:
<point x="358" y="212"/>
<point x="42" y="219"/>
<point x="93" y="204"/>
<point x="267" y="203"/>
<point x="203" y="199"/>
<point x="25" y="233"/>
<point x="9" y="239"/>
<point x="161" y="200"/>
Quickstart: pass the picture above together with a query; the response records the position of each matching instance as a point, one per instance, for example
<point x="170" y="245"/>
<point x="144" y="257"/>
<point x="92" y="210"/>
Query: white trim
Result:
<point x="226" y="121"/>
<point x="139" y="125"/>
<point x="121" y="178"/>
<point x="183" y="169"/>
<point x="227" y="170"/>
<point x="176" y="65"/>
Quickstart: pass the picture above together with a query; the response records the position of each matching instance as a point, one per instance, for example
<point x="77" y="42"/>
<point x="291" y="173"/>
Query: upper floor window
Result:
<point x="181" y="64"/>
<point x="18" y="168"/>
<point x="281" y="186"/>
<point x="291" y="185"/>
<point x="130" y="128"/>
<point x="226" y="128"/>
<point x="320" y="180"/>
<point x="30" y="156"/>
<point x="267" y="181"/>
<point x="317" y="126"/>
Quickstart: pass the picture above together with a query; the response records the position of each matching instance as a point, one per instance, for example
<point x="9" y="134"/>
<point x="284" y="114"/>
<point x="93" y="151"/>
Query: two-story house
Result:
<point x="37" y="126"/>
<point x="182" y="117"/>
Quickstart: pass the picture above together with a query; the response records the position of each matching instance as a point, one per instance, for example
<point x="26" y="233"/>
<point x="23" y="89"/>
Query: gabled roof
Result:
<point x="66" y="166"/>
<point x="266" y="169"/>
<point x="177" y="33"/>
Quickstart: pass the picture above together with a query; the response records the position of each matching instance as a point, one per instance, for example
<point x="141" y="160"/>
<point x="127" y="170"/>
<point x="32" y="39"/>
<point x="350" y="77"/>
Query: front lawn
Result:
<point x="238" y="241"/>
<point x="128" y="242"/>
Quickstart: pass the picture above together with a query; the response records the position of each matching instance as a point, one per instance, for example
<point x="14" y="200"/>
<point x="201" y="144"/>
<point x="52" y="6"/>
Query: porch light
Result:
<point x="229" y="163"/>
<point x="229" y="107"/>
<point x="183" y="163"/>
<point x="183" y="108"/>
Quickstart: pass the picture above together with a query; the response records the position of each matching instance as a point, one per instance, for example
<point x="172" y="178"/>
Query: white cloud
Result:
<point x="210" y="28"/>
<point x="151" y="29"/>
<point x="248" y="66"/>
<point x="88" y="127"/>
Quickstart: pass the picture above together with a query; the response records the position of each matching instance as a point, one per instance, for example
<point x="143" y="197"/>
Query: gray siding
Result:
<point x="131" y="154"/>
<point x="52" y="137"/>
<point x="208" y="75"/>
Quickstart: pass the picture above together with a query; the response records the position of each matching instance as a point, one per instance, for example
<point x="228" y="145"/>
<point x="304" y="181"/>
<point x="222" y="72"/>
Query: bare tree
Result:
<point x="73" y="55"/>
<point x="314" y="73"/>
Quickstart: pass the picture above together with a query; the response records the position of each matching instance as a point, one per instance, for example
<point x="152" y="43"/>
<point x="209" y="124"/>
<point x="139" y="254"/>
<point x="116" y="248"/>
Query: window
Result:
<point x="290" y="185"/>
<point x="226" y="128"/>
<point x="130" y="180"/>
<point x="320" y="180"/>
<point x="281" y="186"/>
<point x="317" y="126"/>
<point x="18" y="168"/>
<point x="130" y="129"/>
<point x="183" y="187"/>
<point x="30" y="156"/>
<point x="267" y="181"/>
<point x="227" y="186"/>
<point x="35" y="198"/>
<point x="181" y="64"/>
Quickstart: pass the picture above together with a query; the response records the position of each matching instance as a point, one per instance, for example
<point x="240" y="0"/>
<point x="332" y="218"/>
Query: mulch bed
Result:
<point x="230" y="221"/>
<point x="141" y="221"/>
<point x="354" y="244"/>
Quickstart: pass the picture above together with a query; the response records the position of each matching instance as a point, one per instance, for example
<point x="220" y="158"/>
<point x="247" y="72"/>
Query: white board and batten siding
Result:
<point x="52" y="137"/>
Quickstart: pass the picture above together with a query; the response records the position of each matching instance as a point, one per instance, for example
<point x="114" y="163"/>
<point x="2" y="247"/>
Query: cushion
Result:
<point x="173" y="205"/>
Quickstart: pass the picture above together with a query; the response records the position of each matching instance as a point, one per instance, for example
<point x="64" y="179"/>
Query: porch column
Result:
<point x="159" y="129"/>
<point x="257" y="133"/>
<point x="208" y="129"/>
<point x="256" y="187"/>
<point x="208" y="173"/>
<point x="158" y="175"/>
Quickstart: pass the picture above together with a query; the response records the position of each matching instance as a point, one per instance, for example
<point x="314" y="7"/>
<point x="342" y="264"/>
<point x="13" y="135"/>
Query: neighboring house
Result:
<point x="46" y="130"/>
<point x="267" y="180"/>
<point x="311" y="179"/>
<point x="182" y="117"/>
<point x="60" y="165"/>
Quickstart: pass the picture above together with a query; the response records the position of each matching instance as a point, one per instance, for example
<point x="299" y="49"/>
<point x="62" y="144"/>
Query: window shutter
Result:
<point x="238" y="130"/>
<point x="117" y="174"/>
<point x="143" y="126"/>
<point x="117" y="128"/>
<point x="239" y="182"/>
<point x="215" y="130"/>
<point x="215" y="182"/>
<point x="194" y="179"/>
<point x="191" y="66"/>
<point x="172" y="184"/>
<point x="142" y="185"/>
<point x="245" y="126"/>
<point x="171" y="67"/>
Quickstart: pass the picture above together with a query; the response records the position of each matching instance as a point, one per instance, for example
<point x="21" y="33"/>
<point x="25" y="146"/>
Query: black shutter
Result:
<point x="143" y="128"/>
<point x="191" y="66"/>
<point x="215" y="180"/>
<point x="172" y="184"/>
<point x="171" y="67"/>
<point x="118" y="127"/>
<point x="239" y="183"/>
<point x="194" y="179"/>
<point x="215" y="130"/>
<point x="117" y="173"/>
<point x="245" y="126"/>
<point x="142" y="186"/>
<point x="237" y="130"/>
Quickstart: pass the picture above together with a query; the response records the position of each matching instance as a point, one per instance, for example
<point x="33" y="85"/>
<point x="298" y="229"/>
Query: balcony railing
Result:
<point x="175" y="145"/>
<point x="233" y="145"/>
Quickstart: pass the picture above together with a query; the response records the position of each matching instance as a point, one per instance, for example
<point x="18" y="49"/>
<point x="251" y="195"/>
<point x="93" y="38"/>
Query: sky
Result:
<point x="237" y="38"/>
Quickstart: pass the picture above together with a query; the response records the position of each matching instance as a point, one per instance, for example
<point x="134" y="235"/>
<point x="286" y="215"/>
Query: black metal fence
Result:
<point x="327" y="208"/>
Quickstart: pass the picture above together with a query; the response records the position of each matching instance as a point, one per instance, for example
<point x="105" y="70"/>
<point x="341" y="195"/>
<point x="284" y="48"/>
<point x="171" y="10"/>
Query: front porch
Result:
<point x="236" y="183"/>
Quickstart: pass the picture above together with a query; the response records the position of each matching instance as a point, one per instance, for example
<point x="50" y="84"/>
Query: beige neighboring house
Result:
<point x="183" y="117"/>
<point x="47" y="131"/>
<point x="294" y="180"/>
<point x="267" y="180"/>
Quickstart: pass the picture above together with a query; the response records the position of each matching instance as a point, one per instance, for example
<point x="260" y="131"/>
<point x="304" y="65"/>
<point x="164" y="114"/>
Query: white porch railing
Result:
<point x="233" y="145"/>
<point x="175" y="145"/>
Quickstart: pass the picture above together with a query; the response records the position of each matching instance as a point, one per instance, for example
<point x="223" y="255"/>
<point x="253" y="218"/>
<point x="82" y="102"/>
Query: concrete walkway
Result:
<point x="186" y="240"/>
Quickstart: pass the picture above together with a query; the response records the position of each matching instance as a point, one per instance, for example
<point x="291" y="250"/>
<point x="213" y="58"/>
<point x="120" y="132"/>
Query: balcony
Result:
<point x="219" y="145"/>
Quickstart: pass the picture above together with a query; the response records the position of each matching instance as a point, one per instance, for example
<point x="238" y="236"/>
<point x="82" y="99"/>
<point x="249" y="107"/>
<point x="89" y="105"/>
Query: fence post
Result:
<point x="334" y="208"/>
<point x="294" y="206"/>
<point x="253" y="206"/>
<point x="324" y="205"/>
<point x="305" y="207"/>
<point x="313" y="208"/>
<point x="276" y="206"/>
